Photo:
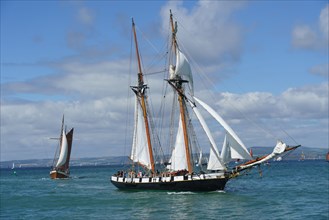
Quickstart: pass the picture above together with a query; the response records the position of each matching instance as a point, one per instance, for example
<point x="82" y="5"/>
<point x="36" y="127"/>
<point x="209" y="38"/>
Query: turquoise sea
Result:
<point x="286" y="190"/>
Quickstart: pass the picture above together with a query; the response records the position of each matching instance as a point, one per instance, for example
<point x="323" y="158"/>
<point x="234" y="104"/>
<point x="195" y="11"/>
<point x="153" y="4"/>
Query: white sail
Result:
<point x="226" y="151"/>
<point x="139" y="151"/>
<point x="64" y="151"/>
<point x="278" y="150"/>
<point x="215" y="162"/>
<point x="178" y="158"/>
<point x="238" y="149"/>
<point x="183" y="69"/>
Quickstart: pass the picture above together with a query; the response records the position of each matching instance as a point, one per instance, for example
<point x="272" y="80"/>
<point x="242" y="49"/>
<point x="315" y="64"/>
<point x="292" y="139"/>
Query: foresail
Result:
<point x="63" y="151"/>
<point x="139" y="151"/>
<point x="238" y="149"/>
<point x="183" y="68"/>
<point x="178" y="158"/>
<point x="226" y="151"/>
<point x="215" y="162"/>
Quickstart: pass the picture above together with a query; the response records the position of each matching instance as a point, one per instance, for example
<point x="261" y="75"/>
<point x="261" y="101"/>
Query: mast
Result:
<point x="181" y="98"/>
<point x="140" y="92"/>
<point x="174" y="31"/>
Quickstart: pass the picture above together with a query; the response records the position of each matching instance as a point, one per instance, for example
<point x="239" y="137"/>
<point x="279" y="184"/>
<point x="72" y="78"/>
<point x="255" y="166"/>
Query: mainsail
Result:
<point x="139" y="151"/>
<point x="63" y="151"/>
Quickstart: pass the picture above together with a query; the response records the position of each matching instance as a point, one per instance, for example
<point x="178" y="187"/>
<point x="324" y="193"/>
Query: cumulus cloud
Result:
<point x="86" y="16"/>
<point x="258" y="117"/>
<point x="320" y="70"/>
<point x="207" y="20"/>
<point x="98" y="108"/>
<point x="324" y="21"/>
<point x="309" y="37"/>
<point x="95" y="103"/>
<point x="96" y="92"/>
<point x="305" y="102"/>
<point x="304" y="37"/>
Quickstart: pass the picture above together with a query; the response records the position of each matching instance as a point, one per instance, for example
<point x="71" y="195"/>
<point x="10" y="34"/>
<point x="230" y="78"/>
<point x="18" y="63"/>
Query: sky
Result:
<point x="264" y="60"/>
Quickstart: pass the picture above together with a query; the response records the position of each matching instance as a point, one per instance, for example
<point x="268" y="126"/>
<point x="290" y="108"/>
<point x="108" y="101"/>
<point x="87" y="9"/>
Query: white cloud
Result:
<point x="324" y="21"/>
<point x="320" y="70"/>
<point x="260" y="117"/>
<point x="86" y="16"/>
<point x="207" y="20"/>
<point x="98" y="112"/>
<point x="97" y="94"/>
<point x="304" y="37"/>
<point x="303" y="103"/>
<point x="309" y="37"/>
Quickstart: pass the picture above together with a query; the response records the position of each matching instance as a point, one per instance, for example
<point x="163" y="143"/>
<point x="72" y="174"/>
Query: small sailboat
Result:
<point x="183" y="169"/>
<point x="13" y="169"/>
<point x="60" y="168"/>
<point x="302" y="156"/>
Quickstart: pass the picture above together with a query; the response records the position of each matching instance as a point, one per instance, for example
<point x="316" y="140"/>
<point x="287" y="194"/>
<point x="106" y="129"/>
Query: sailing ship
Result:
<point x="60" y="168"/>
<point x="183" y="169"/>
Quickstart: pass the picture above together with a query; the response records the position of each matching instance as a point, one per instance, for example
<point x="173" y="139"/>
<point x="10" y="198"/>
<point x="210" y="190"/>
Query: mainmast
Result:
<point x="178" y="85"/>
<point x="140" y="92"/>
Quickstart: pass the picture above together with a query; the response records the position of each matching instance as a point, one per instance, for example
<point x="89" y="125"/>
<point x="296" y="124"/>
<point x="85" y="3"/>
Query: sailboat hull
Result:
<point x="56" y="174"/>
<point x="177" y="183"/>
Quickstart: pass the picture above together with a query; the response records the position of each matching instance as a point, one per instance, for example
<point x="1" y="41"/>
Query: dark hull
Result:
<point x="189" y="185"/>
<point x="58" y="175"/>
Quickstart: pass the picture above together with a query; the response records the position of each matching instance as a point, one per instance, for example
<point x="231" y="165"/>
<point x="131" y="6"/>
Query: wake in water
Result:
<point x="193" y="193"/>
<point x="181" y="193"/>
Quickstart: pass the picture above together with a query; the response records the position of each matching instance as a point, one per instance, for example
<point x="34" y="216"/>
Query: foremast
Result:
<point x="177" y="83"/>
<point x="140" y="90"/>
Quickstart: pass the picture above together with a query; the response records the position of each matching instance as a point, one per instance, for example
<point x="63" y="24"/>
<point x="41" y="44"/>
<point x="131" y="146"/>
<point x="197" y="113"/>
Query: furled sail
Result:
<point x="237" y="148"/>
<point x="215" y="162"/>
<point x="64" y="151"/>
<point x="178" y="158"/>
<point x="278" y="149"/>
<point x="183" y="69"/>
<point x="139" y="151"/>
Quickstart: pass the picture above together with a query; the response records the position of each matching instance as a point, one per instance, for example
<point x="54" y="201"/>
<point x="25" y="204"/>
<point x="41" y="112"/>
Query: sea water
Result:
<point x="282" y="190"/>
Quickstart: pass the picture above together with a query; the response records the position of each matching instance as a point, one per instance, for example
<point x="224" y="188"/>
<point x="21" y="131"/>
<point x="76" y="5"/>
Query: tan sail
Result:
<point x="61" y="165"/>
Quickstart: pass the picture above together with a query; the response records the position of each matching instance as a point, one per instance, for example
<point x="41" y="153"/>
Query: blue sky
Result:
<point x="269" y="59"/>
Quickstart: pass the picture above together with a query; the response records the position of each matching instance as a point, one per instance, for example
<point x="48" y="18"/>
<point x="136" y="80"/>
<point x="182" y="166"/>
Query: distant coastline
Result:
<point x="310" y="154"/>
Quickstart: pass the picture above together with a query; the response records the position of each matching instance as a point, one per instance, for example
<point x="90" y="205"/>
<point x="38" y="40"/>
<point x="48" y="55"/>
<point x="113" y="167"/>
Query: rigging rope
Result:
<point x="214" y="88"/>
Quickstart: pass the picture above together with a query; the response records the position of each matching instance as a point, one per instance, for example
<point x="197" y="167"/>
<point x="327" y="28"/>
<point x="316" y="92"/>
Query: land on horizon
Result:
<point x="310" y="154"/>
